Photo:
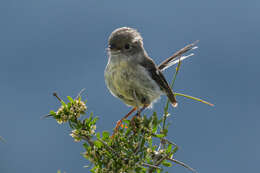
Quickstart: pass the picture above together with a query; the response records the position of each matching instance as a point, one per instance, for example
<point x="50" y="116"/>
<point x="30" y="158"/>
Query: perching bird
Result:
<point x="131" y="75"/>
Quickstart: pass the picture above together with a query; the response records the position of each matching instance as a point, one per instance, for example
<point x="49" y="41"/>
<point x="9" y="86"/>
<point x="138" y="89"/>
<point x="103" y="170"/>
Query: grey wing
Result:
<point x="159" y="78"/>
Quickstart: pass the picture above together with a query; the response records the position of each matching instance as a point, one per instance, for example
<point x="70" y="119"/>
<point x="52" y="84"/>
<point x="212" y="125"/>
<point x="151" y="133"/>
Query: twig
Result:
<point x="46" y="116"/>
<point x="49" y="115"/>
<point x="170" y="142"/>
<point x="151" y="166"/>
<point x="168" y="101"/>
<point x="194" y="98"/>
<point x="81" y="91"/>
<point x="87" y="138"/>
<point x="56" y="95"/>
<point x="107" y="146"/>
<point x="182" y="164"/>
<point x="158" y="163"/>
<point x="161" y="160"/>
<point x="166" y="62"/>
<point x="163" y="140"/>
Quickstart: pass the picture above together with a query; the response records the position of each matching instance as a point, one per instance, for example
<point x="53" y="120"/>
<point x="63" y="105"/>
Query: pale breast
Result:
<point x="131" y="83"/>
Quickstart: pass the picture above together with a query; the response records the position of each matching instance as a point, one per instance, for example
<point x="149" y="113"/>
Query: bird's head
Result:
<point x="126" y="41"/>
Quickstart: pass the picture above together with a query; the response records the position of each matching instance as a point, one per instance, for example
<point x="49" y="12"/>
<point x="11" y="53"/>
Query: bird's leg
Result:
<point x="136" y="102"/>
<point x="139" y="112"/>
<point x="119" y="122"/>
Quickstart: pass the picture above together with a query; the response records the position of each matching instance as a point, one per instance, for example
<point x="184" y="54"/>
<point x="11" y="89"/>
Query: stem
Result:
<point x="182" y="164"/>
<point x="170" y="142"/>
<point x="168" y="101"/>
<point x="194" y="98"/>
<point x="79" y="94"/>
<point x="151" y="166"/>
<point x="108" y="147"/>
<point x="56" y="95"/>
<point x="158" y="163"/>
<point x="87" y="138"/>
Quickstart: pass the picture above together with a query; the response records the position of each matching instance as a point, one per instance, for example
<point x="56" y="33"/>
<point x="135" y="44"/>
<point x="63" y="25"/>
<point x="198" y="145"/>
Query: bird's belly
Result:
<point x="132" y="84"/>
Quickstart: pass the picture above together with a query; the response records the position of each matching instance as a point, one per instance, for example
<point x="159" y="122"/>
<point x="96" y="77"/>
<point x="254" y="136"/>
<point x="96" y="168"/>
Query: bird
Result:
<point x="131" y="75"/>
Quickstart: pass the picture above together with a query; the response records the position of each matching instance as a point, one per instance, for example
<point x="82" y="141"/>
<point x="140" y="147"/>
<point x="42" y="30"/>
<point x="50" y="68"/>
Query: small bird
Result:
<point x="131" y="75"/>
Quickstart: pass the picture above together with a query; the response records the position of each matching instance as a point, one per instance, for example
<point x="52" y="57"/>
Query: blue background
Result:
<point x="59" y="45"/>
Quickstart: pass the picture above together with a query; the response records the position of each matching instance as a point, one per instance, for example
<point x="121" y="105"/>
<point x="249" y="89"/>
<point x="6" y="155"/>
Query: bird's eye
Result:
<point x="127" y="46"/>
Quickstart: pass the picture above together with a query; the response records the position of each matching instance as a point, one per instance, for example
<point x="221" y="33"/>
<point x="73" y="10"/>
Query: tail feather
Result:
<point x="172" y="99"/>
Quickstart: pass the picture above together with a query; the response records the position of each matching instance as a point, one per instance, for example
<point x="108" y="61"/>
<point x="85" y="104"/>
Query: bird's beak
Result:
<point x="113" y="50"/>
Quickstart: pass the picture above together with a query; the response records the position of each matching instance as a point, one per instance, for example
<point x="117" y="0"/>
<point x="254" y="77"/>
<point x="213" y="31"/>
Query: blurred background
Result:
<point x="59" y="45"/>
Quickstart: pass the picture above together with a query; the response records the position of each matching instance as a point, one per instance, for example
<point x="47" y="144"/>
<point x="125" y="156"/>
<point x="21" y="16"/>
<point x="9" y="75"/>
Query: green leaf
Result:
<point x="159" y="135"/>
<point x="63" y="103"/>
<point x="167" y="164"/>
<point x="98" y="144"/>
<point x="88" y="120"/>
<point x="165" y="131"/>
<point x="85" y="145"/>
<point x="70" y="99"/>
<point x="53" y="113"/>
<point x="105" y="135"/>
<point x="138" y="169"/>
<point x="94" y="120"/>
<point x="169" y="148"/>
<point x="155" y="129"/>
<point x="98" y="135"/>
<point x="155" y="119"/>
<point x="150" y="142"/>
<point x="174" y="150"/>
<point x="143" y="142"/>
<point x="127" y="122"/>
<point x="69" y="105"/>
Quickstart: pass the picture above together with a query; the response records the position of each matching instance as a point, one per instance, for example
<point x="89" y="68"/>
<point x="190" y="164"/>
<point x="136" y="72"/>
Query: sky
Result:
<point x="59" y="45"/>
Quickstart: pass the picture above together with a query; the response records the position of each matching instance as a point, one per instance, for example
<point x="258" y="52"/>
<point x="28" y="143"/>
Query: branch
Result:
<point x="168" y="101"/>
<point x="108" y="147"/>
<point x="56" y="95"/>
<point x="151" y="166"/>
<point x="88" y="139"/>
<point x="158" y="163"/>
<point x="182" y="164"/>
<point x="168" y="141"/>
<point x="108" y="154"/>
